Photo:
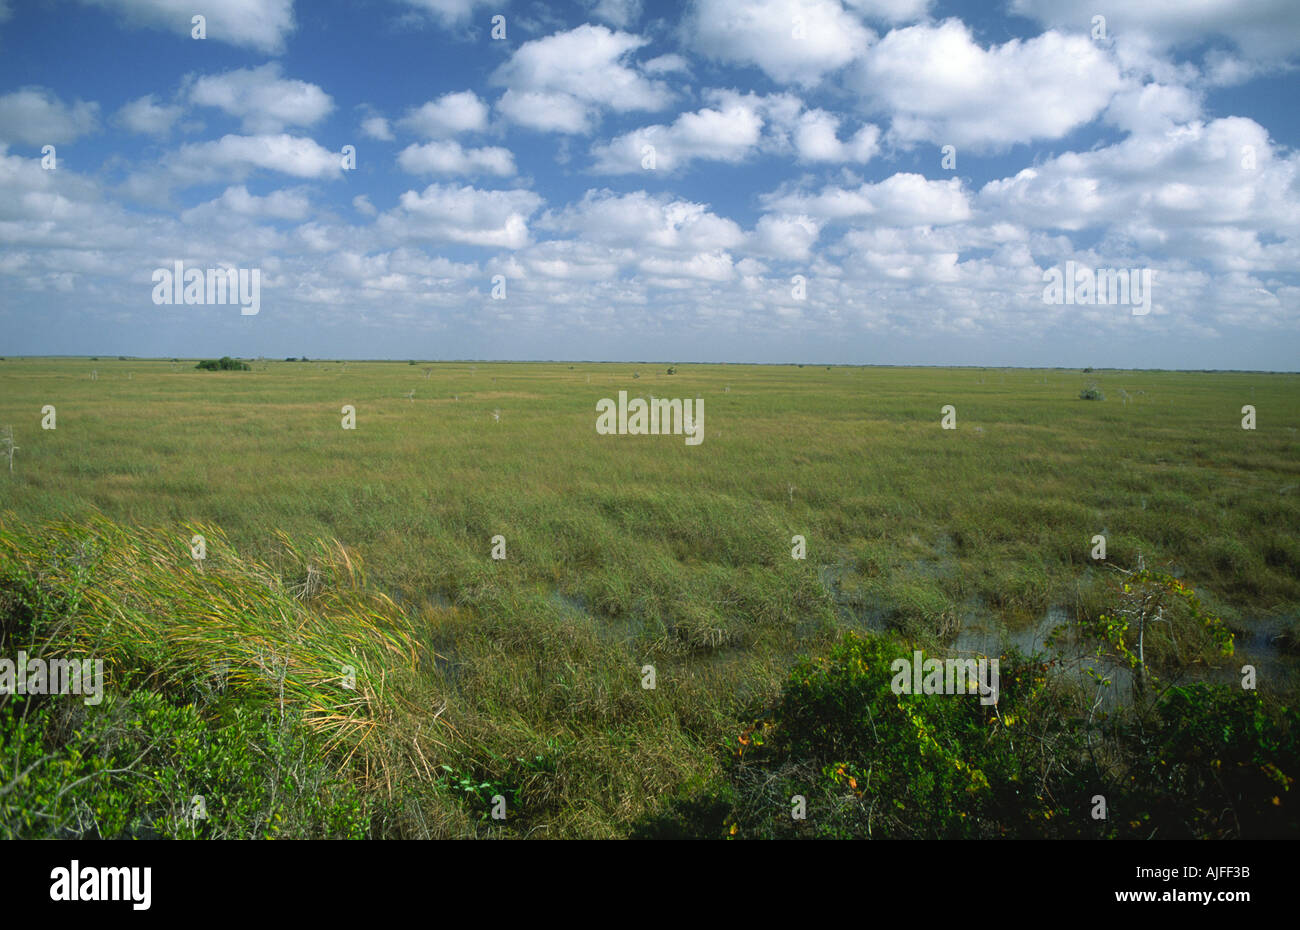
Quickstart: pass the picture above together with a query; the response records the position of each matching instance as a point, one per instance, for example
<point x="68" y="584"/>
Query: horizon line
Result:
<point x="503" y="361"/>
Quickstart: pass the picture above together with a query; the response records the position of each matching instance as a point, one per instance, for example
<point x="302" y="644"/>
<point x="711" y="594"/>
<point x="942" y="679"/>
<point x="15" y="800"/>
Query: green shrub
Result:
<point x="225" y="363"/>
<point x="1155" y="625"/>
<point x="1215" y="764"/>
<point x="132" y="768"/>
<point x="1206" y="761"/>
<point x="871" y="763"/>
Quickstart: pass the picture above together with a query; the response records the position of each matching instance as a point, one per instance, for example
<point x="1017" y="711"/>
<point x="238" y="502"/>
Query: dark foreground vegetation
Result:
<point x="288" y="698"/>
<point x="1200" y="761"/>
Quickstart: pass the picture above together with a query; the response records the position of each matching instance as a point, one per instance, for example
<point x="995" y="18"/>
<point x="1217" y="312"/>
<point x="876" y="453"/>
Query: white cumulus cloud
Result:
<point x="147" y="117"/>
<point x="263" y="100"/>
<point x="258" y="24"/>
<point x="467" y="215"/>
<point x="564" y="82"/>
<point x="451" y="158"/>
<point x="937" y="84"/>
<point x="448" y="115"/>
<point x="36" y="116"/>
<point x="793" y="41"/>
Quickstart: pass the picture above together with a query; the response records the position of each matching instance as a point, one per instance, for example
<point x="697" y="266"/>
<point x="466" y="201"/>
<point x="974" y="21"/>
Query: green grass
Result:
<point x="625" y="551"/>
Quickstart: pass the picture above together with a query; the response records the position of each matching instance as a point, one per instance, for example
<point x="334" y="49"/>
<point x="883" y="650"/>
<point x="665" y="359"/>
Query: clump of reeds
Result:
<point x="301" y="631"/>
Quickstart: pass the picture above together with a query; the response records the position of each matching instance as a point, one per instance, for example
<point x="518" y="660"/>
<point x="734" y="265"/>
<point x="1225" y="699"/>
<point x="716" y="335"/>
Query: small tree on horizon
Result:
<point x="225" y="363"/>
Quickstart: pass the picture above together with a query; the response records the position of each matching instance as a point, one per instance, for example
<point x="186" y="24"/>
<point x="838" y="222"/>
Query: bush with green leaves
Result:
<point x="1201" y="761"/>
<point x="1212" y="763"/>
<point x="136" y="767"/>
<point x="225" y="363"/>
<point x="872" y="763"/>
<point x="1156" y="622"/>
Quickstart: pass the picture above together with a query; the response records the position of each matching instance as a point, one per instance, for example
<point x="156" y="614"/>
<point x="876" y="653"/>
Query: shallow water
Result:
<point x="1274" y="670"/>
<point x="984" y="633"/>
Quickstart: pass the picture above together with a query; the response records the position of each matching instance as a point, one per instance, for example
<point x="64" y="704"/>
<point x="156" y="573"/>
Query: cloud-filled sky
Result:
<point x="837" y="181"/>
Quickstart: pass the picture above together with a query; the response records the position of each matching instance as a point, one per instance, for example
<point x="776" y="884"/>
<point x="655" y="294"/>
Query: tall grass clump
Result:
<point x="299" y="637"/>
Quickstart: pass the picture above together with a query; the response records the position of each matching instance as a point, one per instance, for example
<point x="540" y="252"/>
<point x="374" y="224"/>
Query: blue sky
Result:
<point x="793" y="141"/>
